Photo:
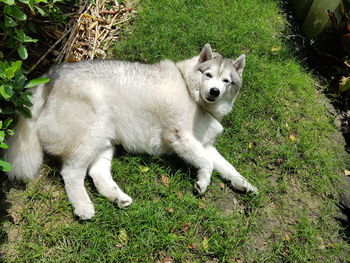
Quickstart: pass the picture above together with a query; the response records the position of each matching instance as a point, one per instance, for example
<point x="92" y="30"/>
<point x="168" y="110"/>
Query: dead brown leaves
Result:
<point x="88" y="33"/>
<point x="94" y="29"/>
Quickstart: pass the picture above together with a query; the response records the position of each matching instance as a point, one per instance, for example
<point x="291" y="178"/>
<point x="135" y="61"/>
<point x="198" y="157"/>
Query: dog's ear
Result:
<point x="239" y="64"/>
<point x="205" y="54"/>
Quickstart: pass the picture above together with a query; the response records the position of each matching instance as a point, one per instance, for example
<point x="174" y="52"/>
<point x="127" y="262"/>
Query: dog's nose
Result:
<point x="214" y="92"/>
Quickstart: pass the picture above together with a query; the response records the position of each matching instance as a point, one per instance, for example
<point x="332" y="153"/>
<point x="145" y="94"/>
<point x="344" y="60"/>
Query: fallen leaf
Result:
<point x="279" y="161"/>
<point x="165" y="260"/>
<point x="236" y="260"/>
<point x="329" y="245"/>
<point x="170" y="210"/>
<point x="122" y="239"/>
<point x="270" y="167"/>
<point x="347" y="172"/>
<point x="287" y="236"/>
<point x="144" y="169"/>
<point x="165" y="180"/>
<point x="185" y="227"/>
<point x="275" y="49"/>
<point x="292" y="137"/>
<point x="205" y="244"/>
<point x="192" y="247"/>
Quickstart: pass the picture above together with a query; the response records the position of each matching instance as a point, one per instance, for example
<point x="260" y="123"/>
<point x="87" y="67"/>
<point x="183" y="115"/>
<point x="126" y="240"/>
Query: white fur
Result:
<point x="88" y="107"/>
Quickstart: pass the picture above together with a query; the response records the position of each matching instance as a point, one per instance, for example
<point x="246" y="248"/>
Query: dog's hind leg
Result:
<point x="192" y="151"/>
<point x="228" y="172"/>
<point x="73" y="175"/>
<point x="100" y="172"/>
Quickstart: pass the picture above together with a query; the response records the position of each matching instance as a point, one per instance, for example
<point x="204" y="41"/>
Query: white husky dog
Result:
<point x="88" y="107"/>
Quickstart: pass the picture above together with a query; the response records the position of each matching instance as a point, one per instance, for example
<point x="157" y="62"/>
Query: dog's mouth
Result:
<point x="210" y="100"/>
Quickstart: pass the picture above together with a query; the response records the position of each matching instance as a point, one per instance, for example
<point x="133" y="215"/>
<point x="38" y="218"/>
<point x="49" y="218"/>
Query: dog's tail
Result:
<point x="25" y="152"/>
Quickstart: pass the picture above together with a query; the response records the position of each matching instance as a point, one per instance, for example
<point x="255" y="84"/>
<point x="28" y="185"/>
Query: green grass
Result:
<point x="280" y="136"/>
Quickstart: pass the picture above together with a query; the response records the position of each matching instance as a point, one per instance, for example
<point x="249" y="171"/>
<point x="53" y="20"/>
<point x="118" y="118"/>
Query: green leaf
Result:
<point x="122" y="239"/>
<point x="92" y="2"/>
<point x="9" y="22"/>
<point x="2" y="71"/>
<point x="11" y="42"/>
<point x="36" y="82"/>
<point x="5" y="166"/>
<point x="29" y="3"/>
<point x="20" y="79"/>
<point x="22" y="37"/>
<point x="15" y="66"/>
<point x="205" y="244"/>
<point x="10" y="132"/>
<point x="7" y="123"/>
<point x="26" y="98"/>
<point x="8" y="110"/>
<point x="22" y="51"/>
<point x="3" y="145"/>
<point x="8" y="2"/>
<point x="9" y="90"/>
<point x="25" y="111"/>
<point x="143" y="169"/>
<point x="11" y="70"/>
<point x="4" y="92"/>
<point x="2" y="135"/>
<point x="41" y="12"/>
<point x="15" y="12"/>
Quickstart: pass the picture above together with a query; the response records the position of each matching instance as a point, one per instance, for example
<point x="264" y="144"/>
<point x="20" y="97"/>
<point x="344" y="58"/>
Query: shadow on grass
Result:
<point x="171" y="161"/>
<point x="344" y="222"/>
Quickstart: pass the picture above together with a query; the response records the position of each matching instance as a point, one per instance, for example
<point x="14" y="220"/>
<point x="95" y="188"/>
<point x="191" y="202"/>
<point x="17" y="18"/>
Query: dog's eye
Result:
<point x="226" y="81"/>
<point x="209" y="75"/>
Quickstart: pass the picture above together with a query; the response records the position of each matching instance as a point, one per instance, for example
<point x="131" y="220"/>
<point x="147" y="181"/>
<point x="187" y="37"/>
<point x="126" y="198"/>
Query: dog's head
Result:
<point x="221" y="78"/>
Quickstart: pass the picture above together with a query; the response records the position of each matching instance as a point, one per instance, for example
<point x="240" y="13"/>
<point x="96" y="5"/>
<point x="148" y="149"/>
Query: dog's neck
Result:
<point x="218" y="111"/>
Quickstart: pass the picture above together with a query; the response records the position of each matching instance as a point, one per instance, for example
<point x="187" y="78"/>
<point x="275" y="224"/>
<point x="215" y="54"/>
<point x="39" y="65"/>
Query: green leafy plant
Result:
<point x="14" y="94"/>
<point x="14" y="26"/>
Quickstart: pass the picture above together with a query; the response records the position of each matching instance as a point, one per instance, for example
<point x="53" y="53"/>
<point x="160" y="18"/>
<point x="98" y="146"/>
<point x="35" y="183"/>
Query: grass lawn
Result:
<point x="280" y="136"/>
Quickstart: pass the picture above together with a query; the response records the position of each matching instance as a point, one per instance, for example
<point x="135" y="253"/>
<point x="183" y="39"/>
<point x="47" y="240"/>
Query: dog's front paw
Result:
<point x="201" y="187"/>
<point x="123" y="201"/>
<point x="243" y="185"/>
<point x="84" y="211"/>
<point x="250" y="189"/>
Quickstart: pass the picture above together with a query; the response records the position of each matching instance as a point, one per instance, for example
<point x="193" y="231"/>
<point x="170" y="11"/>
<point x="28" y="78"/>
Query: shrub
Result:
<point x="14" y="30"/>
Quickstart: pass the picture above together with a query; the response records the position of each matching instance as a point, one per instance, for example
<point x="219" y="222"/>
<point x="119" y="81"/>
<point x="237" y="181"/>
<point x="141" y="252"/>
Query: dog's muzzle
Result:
<point x="210" y="99"/>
